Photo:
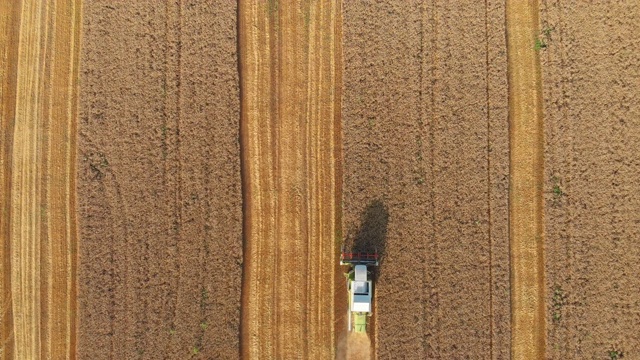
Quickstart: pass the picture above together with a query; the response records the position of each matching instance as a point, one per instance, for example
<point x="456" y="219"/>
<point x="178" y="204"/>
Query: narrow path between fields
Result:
<point x="526" y="182"/>
<point x="39" y="106"/>
<point x="290" y="153"/>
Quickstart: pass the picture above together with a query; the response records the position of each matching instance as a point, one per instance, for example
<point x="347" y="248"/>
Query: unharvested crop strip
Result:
<point x="526" y="180"/>
<point x="39" y="105"/>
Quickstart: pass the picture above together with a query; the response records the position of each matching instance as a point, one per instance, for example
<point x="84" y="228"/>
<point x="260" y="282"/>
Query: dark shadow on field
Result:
<point x="371" y="236"/>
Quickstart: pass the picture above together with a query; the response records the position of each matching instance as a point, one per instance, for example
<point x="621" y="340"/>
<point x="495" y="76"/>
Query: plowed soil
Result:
<point x="160" y="205"/>
<point x="591" y="78"/>
<point x="426" y="172"/>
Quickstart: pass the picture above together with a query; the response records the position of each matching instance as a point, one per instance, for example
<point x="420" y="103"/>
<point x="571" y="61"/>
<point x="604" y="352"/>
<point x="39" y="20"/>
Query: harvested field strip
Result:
<point x="526" y="182"/>
<point x="9" y="33"/>
<point x="289" y="131"/>
<point x="39" y="83"/>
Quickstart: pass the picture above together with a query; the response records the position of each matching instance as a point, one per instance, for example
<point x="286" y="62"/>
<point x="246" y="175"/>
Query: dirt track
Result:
<point x="591" y="72"/>
<point x="38" y="178"/>
<point x="159" y="181"/>
<point x="290" y="141"/>
<point x="426" y="163"/>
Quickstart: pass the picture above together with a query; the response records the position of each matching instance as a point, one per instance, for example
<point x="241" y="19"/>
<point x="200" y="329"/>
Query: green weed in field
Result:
<point x="544" y="38"/>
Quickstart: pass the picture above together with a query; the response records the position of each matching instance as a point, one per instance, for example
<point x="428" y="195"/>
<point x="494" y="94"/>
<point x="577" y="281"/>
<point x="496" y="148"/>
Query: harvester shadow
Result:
<point x="371" y="236"/>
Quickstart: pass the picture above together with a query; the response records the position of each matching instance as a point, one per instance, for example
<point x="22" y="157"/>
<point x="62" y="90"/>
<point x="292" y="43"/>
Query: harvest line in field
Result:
<point x="526" y="182"/>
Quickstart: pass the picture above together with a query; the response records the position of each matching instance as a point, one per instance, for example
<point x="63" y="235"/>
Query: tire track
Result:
<point x="25" y="198"/>
<point x="289" y="130"/>
<point x="526" y="182"/>
<point x="489" y="182"/>
<point x="171" y="156"/>
<point x="40" y="195"/>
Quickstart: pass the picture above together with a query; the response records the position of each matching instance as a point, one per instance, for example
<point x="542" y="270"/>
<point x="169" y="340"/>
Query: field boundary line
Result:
<point x="526" y="148"/>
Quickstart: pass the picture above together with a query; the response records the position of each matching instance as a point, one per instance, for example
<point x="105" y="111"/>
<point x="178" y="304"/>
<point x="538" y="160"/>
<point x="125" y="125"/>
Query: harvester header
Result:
<point x="359" y="258"/>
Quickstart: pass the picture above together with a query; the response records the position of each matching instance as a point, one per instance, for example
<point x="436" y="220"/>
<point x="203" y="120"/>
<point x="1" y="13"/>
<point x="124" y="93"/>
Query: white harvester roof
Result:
<point x="360" y="290"/>
<point x="361" y="304"/>
<point x="360" y="287"/>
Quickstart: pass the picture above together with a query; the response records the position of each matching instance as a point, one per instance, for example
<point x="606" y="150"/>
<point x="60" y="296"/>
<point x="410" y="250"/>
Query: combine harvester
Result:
<point x="360" y="287"/>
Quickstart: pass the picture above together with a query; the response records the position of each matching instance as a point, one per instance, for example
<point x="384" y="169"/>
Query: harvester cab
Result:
<point x="359" y="287"/>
